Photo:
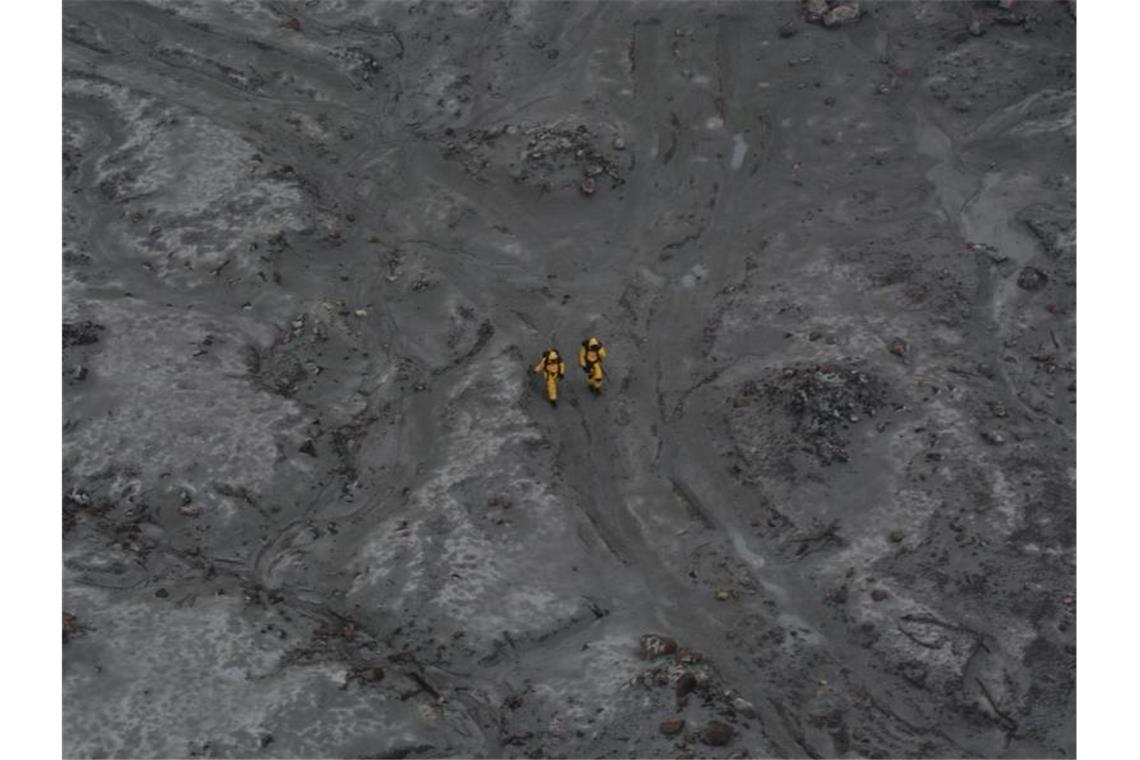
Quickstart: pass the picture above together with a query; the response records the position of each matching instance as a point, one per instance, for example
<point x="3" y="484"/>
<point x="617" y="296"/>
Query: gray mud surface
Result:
<point x="315" y="504"/>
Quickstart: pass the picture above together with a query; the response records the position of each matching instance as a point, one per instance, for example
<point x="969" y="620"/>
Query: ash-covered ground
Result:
<point x="316" y="505"/>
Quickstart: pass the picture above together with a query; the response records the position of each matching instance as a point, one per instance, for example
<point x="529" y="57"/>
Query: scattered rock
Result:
<point x="814" y="9"/>
<point x="162" y="593"/>
<point x="362" y="313"/>
<point x="686" y="683"/>
<point x="79" y="374"/>
<point x="72" y="627"/>
<point x="619" y="143"/>
<point x="80" y="333"/>
<point x="879" y="594"/>
<point x="294" y="24"/>
<point x="1031" y="279"/>
<point x="587" y="187"/>
<point x="673" y="726"/>
<point x="976" y="28"/>
<point x="788" y="30"/>
<point x="842" y="13"/>
<point x="743" y="707"/>
<point x="717" y="734"/>
<point x="1054" y="228"/>
<point x="723" y="595"/>
<point x="896" y="536"/>
<point x="308" y="447"/>
<point x="993" y="437"/>
<point x="371" y="674"/>
<point x="655" y="645"/>
<point x="898" y="347"/>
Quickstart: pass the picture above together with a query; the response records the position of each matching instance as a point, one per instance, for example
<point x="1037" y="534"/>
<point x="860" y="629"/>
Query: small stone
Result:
<point x="79" y="374"/>
<point x="362" y="313"/>
<point x="308" y="447"/>
<point x="814" y="9"/>
<point x="976" y="28"/>
<point x="619" y="144"/>
<point x="655" y="645"/>
<point x="723" y="595"/>
<point x="879" y="594"/>
<point x="788" y="30"/>
<point x="587" y="187"/>
<point x="717" y="734"/>
<point x="898" y="347"/>
<point x="993" y="437"/>
<point x="896" y="536"/>
<point x="673" y="726"/>
<point x="743" y="707"/>
<point x="162" y="593"/>
<point x="295" y="24"/>
<point x="685" y="685"/>
<point x="373" y="674"/>
<point x="848" y="13"/>
<point x="1031" y="279"/>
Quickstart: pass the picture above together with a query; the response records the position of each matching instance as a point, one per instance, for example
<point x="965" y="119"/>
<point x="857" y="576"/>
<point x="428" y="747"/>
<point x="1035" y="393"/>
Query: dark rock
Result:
<point x="308" y="447"/>
<point x="788" y="30"/>
<point x="673" y="726"/>
<point x="686" y="684"/>
<point x="898" y="347"/>
<point x="294" y="24"/>
<point x="162" y="593"/>
<point x="976" y="28"/>
<point x="587" y="187"/>
<point x="79" y="374"/>
<point x="655" y="645"/>
<point x="717" y="734"/>
<point x="896" y="536"/>
<point x="72" y="627"/>
<point x="879" y="594"/>
<point x="1031" y="279"/>
<point x="80" y="333"/>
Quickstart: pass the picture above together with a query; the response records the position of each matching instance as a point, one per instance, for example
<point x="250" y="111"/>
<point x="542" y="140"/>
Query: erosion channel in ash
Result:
<point x="315" y="503"/>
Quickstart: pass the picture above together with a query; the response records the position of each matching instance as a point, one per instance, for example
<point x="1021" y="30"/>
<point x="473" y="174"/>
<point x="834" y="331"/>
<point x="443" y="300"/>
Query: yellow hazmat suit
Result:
<point x="590" y="355"/>
<point x="552" y="365"/>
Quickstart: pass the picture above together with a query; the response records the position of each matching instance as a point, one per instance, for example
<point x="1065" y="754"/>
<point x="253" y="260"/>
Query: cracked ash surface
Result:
<point x="314" y="505"/>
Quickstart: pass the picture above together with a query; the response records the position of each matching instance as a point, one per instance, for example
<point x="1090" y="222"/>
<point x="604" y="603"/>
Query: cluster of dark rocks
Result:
<point x="539" y="153"/>
<point x="831" y="13"/>
<point x="822" y="401"/>
<point x="690" y="674"/>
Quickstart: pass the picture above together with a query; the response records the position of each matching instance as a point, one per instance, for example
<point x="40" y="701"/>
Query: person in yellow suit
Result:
<point x="590" y="355"/>
<point x="554" y="368"/>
